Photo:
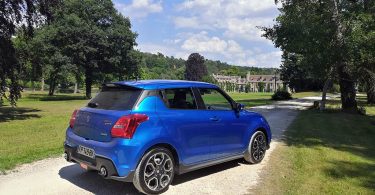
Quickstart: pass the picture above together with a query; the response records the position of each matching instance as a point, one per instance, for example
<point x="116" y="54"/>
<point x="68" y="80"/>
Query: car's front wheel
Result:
<point x="155" y="171"/>
<point x="257" y="148"/>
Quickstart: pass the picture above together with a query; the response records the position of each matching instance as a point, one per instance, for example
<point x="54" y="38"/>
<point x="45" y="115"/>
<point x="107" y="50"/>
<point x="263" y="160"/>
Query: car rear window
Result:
<point x="115" y="97"/>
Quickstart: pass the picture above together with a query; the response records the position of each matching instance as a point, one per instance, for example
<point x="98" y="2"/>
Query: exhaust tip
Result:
<point x="103" y="171"/>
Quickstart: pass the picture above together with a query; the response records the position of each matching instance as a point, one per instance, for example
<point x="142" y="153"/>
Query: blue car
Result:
<point x="147" y="131"/>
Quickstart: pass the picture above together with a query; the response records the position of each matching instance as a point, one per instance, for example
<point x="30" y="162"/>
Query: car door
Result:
<point x="186" y="124"/>
<point x="227" y="126"/>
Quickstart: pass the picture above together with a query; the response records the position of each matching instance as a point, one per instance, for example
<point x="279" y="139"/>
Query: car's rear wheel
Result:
<point x="257" y="148"/>
<point x="155" y="171"/>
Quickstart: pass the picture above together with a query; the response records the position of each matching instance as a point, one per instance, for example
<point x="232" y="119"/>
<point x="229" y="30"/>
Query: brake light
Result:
<point x="73" y="119"/>
<point x="125" y="126"/>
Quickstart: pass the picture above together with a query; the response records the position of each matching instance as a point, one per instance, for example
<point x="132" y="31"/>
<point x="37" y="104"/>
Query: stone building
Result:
<point x="252" y="83"/>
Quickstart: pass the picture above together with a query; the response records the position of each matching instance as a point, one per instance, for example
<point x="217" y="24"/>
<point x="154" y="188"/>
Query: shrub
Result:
<point x="281" y="95"/>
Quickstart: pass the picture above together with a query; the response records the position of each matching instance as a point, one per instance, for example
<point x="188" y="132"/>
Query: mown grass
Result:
<point x="324" y="153"/>
<point x="35" y="129"/>
<point x="306" y="94"/>
<point x="252" y="99"/>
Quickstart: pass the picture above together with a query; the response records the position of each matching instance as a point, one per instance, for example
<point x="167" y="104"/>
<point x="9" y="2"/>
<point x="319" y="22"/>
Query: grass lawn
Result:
<point x="306" y="94"/>
<point x="324" y="153"/>
<point x="35" y="129"/>
<point x="252" y="99"/>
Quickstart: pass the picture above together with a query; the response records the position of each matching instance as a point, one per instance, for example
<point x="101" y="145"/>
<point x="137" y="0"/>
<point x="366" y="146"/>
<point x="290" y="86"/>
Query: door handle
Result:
<point x="215" y="118"/>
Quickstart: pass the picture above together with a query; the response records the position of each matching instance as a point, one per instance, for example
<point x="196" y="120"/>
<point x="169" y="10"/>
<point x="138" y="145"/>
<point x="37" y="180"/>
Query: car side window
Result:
<point x="214" y="100"/>
<point x="179" y="98"/>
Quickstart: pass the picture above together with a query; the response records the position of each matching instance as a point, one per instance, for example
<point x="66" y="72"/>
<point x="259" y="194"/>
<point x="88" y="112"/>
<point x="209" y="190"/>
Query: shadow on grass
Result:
<point x="347" y="169"/>
<point x="9" y="113"/>
<point x="58" y="97"/>
<point x="348" y="133"/>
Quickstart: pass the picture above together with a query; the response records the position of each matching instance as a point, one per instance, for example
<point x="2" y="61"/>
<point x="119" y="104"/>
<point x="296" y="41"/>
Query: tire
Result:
<point x="257" y="148"/>
<point x="155" y="171"/>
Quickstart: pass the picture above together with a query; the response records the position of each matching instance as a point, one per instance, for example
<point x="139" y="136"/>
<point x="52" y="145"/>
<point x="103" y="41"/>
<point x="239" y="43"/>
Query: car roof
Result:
<point x="163" y="84"/>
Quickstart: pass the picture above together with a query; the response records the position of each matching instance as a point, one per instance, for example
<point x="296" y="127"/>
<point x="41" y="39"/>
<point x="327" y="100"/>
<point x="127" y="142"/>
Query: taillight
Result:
<point x="125" y="126"/>
<point x="73" y="119"/>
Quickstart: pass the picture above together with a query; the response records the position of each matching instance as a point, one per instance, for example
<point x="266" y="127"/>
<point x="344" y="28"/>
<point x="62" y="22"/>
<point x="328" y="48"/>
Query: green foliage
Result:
<point x="335" y="88"/>
<point x="281" y="95"/>
<point x="25" y="14"/>
<point x="261" y="86"/>
<point x="321" y="40"/>
<point x="154" y="66"/>
<point x="195" y="69"/>
<point x="87" y="38"/>
<point x="208" y="79"/>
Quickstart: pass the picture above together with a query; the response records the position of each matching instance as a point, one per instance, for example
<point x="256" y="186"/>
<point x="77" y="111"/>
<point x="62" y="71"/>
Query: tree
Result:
<point x="88" y="38"/>
<point x="48" y="51"/>
<point x="320" y="32"/>
<point x="195" y="68"/>
<point x="25" y="14"/>
<point x="294" y="74"/>
<point x="362" y="44"/>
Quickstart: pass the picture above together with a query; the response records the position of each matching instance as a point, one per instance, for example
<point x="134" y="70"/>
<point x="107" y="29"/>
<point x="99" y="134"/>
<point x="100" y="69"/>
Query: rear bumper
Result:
<point x="96" y="164"/>
<point x="119" y="156"/>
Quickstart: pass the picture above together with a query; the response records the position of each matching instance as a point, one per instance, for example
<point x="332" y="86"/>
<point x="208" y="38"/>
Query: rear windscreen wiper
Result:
<point x="92" y="105"/>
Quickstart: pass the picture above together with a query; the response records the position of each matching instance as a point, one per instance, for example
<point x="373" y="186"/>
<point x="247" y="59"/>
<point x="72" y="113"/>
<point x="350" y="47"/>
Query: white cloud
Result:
<point x="246" y="29"/>
<point x="223" y="30"/>
<point x="187" y="22"/>
<point x="169" y="50"/>
<point x="140" y="8"/>
<point x="238" y="19"/>
<point x="202" y="43"/>
<point x="229" y="30"/>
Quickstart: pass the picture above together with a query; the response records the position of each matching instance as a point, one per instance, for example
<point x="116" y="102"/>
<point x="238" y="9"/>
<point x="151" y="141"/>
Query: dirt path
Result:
<point x="56" y="176"/>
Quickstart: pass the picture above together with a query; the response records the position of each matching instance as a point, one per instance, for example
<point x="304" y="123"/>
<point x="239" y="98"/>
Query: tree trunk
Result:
<point x="42" y="84"/>
<point x="371" y="97"/>
<point x="370" y="90"/>
<point x="88" y="82"/>
<point x="33" y="85"/>
<point x="348" y="91"/>
<point x="75" y="88"/>
<point x="347" y="84"/>
<point x="52" y="86"/>
<point x="327" y="85"/>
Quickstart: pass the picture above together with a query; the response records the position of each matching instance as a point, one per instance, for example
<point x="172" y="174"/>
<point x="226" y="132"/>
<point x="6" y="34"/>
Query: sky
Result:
<point x="224" y="30"/>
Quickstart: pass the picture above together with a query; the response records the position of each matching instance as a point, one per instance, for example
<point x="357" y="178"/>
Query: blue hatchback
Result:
<point x="147" y="131"/>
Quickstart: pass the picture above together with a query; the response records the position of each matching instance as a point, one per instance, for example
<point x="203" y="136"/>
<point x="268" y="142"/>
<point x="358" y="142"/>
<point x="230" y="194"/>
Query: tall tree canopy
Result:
<point x="317" y="37"/>
<point x="195" y="68"/>
<point x="87" y="37"/>
<point x="23" y="15"/>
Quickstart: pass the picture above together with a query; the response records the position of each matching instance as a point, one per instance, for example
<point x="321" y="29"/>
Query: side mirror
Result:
<point x="239" y="107"/>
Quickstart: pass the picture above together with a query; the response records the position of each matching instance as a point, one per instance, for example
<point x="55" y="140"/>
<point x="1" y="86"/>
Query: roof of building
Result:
<point x="249" y="78"/>
<point x="160" y="84"/>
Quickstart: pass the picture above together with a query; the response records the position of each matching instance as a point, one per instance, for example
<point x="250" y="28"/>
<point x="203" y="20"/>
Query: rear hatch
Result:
<point x="95" y="121"/>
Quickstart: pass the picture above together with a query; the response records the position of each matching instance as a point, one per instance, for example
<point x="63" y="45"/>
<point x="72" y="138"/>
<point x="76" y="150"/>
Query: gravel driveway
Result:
<point x="56" y="176"/>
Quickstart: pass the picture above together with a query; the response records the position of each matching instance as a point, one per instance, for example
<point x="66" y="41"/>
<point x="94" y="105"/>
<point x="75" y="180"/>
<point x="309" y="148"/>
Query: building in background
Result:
<point x="252" y="83"/>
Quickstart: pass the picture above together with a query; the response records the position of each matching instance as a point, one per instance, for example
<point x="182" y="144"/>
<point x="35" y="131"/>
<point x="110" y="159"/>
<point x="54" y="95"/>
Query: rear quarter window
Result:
<point x="115" y="97"/>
